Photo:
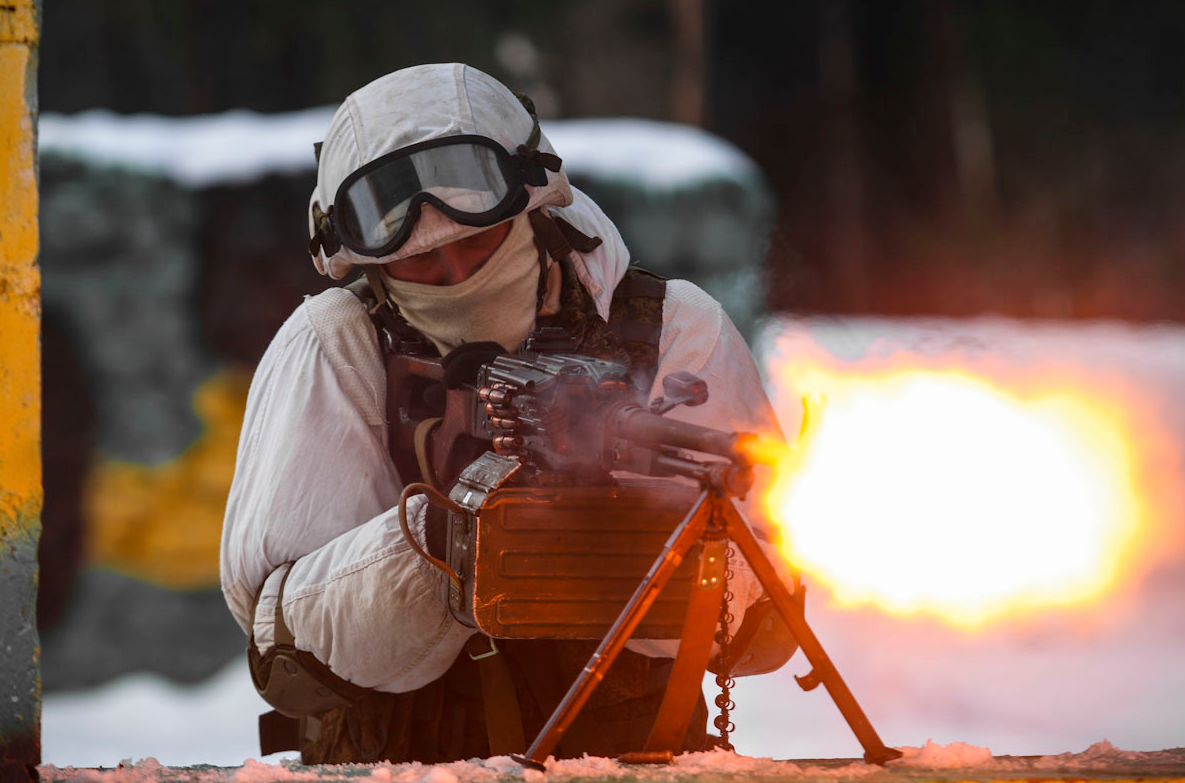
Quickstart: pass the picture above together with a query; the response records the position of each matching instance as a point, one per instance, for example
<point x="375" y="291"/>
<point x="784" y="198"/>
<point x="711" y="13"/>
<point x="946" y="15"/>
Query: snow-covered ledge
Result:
<point x="932" y="762"/>
<point x="242" y="145"/>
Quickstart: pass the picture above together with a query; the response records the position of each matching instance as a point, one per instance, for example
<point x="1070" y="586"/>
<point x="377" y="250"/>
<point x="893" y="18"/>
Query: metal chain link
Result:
<point x="724" y="700"/>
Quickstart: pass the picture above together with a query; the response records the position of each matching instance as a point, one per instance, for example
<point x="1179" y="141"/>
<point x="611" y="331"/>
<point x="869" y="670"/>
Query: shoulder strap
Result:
<point x="394" y="332"/>
<point x="283" y="634"/>
<point x="504" y="722"/>
<point x="636" y="312"/>
<point x="632" y="334"/>
<point x="555" y="238"/>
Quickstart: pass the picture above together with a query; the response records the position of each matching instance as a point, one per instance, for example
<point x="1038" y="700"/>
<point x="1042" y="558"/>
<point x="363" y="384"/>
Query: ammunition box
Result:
<point x="561" y="562"/>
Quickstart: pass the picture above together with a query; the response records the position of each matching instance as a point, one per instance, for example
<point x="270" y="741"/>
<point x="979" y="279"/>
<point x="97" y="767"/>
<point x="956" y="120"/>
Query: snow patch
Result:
<point x="254" y="771"/>
<point x="1104" y="755"/>
<point x="439" y="775"/>
<point x="716" y="762"/>
<point x="1101" y="759"/>
<point x="241" y="146"/>
<point x="502" y="764"/>
<point x="936" y="756"/>
<point x="144" y="715"/>
<point x="235" y="146"/>
<point x="661" y="155"/>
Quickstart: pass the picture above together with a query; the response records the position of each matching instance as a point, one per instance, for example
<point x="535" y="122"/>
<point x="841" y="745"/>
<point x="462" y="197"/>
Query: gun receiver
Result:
<point x="568" y="419"/>
<point x="581" y="418"/>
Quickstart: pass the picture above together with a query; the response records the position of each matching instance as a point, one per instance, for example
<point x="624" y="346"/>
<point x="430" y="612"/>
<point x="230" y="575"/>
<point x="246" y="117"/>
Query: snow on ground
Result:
<point x="241" y="145"/>
<point x="932" y="762"/>
<point x="1056" y="681"/>
<point x="145" y="715"/>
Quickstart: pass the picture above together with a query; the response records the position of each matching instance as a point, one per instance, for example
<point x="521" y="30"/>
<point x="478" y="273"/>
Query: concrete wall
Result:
<point x="20" y="393"/>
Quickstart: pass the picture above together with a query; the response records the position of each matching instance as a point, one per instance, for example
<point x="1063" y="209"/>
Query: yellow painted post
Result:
<point x="20" y="393"/>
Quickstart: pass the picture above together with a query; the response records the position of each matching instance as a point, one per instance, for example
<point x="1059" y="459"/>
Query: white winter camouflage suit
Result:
<point x="314" y="484"/>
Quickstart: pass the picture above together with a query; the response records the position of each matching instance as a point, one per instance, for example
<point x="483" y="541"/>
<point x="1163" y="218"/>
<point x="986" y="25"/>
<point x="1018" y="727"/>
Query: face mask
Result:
<point x="496" y="303"/>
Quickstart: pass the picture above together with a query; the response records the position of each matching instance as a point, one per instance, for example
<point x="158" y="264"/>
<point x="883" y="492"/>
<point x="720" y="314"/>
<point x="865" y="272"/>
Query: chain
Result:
<point x="724" y="700"/>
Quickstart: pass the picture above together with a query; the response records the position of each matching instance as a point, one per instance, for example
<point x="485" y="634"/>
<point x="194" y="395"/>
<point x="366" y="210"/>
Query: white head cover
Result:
<point x="413" y="105"/>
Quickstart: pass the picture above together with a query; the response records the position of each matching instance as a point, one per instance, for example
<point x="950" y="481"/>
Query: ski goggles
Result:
<point x="472" y="179"/>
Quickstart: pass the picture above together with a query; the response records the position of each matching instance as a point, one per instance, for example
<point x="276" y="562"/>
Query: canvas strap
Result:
<point x="420" y="439"/>
<point x="504" y="722"/>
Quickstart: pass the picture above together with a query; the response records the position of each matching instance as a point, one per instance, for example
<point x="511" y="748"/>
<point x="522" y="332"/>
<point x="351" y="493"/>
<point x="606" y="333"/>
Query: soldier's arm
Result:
<point x="314" y="486"/>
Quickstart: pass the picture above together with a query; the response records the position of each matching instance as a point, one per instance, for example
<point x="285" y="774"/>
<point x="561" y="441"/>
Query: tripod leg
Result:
<point x="680" y="542"/>
<point x="824" y="670"/>
<point x="695" y="649"/>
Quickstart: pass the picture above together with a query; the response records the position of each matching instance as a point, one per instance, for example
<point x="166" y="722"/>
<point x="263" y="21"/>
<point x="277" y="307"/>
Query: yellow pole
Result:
<point x="20" y="393"/>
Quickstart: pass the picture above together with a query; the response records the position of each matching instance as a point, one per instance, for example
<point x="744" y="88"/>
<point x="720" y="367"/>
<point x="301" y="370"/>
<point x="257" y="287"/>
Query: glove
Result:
<point x="462" y="363"/>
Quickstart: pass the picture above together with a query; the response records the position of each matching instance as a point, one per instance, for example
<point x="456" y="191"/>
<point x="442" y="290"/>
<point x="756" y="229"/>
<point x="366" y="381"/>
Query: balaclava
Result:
<point x="497" y="302"/>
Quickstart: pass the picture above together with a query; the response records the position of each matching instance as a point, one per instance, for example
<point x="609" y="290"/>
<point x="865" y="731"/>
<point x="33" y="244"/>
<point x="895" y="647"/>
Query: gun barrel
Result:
<point x="642" y="426"/>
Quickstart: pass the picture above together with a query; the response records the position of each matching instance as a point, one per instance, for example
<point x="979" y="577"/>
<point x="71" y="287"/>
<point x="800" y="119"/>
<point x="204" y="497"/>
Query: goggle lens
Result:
<point x="465" y="180"/>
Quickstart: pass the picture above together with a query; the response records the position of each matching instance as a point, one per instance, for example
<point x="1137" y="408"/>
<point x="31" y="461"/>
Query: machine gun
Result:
<point x="574" y="418"/>
<point x="539" y="544"/>
<point x="567" y="418"/>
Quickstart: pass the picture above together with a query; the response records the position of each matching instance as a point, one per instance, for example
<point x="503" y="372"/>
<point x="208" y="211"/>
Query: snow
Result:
<point x="144" y="715"/>
<point x="956" y="754"/>
<point x="235" y="146"/>
<point x="956" y="761"/>
<point x="241" y="145"/>
<point x="440" y="774"/>
<point x="662" y="155"/>
<point x="254" y="771"/>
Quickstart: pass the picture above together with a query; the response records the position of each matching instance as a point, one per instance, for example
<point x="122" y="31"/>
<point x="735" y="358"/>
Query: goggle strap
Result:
<point x="541" y="286"/>
<point x="550" y="162"/>
<point x="324" y="235"/>
<point x="376" y="284"/>
<point x="534" y="162"/>
<point x="529" y="105"/>
<point x="547" y="232"/>
<point x="533" y="157"/>
<point x="577" y="239"/>
<point x="526" y="101"/>
<point x="559" y="237"/>
<point x="532" y="142"/>
<point x="399" y="331"/>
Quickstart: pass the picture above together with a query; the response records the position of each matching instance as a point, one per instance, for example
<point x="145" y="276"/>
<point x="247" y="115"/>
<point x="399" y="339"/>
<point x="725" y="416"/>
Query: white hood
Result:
<point x="413" y="105"/>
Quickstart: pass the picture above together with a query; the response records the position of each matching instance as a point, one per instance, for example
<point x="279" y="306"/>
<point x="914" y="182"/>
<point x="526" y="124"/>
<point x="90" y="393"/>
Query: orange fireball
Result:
<point x="966" y="495"/>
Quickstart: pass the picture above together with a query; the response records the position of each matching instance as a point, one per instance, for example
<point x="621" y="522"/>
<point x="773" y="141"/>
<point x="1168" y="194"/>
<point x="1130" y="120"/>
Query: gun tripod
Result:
<point x="713" y="521"/>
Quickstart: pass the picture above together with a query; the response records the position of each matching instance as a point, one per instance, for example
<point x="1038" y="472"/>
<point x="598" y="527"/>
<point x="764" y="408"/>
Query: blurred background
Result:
<point x="984" y="185"/>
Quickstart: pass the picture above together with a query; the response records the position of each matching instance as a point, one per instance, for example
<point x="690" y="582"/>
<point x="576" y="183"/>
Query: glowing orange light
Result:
<point x="934" y="490"/>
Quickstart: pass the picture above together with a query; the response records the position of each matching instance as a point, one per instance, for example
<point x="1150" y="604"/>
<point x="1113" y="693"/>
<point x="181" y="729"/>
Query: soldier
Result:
<point x="436" y="181"/>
